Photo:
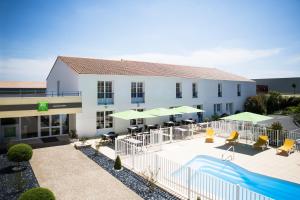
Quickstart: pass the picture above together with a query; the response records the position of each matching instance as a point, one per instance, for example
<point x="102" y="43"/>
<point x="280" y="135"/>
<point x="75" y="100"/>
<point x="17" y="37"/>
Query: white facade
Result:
<point x="159" y="92"/>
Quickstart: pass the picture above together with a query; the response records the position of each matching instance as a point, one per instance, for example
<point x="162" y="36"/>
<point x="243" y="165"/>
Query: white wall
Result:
<point x="67" y="77"/>
<point x="159" y="92"/>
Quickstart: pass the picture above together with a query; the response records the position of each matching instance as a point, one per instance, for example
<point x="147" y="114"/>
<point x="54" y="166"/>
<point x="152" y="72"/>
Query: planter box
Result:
<point x="79" y="145"/>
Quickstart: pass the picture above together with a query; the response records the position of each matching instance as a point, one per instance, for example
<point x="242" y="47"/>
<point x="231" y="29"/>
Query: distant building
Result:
<point x="283" y="85"/>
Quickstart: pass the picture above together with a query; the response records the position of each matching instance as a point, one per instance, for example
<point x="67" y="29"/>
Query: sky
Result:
<point x="252" y="38"/>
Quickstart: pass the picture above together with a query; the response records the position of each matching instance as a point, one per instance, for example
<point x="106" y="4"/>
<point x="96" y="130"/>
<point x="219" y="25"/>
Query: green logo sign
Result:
<point x="42" y="106"/>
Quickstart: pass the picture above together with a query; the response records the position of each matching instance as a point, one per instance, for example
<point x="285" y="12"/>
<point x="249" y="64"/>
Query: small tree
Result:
<point x="19" y="153"/>
<point x="151" y="178"/>
<point x="118" y="164"/>
<point x="294" y="87"/>
<point x="38" y="193"/>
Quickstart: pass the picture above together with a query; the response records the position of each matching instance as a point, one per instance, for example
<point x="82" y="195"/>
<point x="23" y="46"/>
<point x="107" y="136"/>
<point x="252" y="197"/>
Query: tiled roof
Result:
<point x="22" y="84"/>
<point x="125" y="67"/>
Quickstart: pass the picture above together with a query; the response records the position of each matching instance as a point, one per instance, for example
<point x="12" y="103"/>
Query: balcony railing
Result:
<point x="138" y="97"/>
<point x="195" y="95"/>
<point x="38" y="93"/>
<point x="178" y="95"/>
<point x="106" y="98"/>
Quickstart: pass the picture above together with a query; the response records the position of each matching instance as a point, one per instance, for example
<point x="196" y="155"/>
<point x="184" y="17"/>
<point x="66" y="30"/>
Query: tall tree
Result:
<point x="294" y="87"/>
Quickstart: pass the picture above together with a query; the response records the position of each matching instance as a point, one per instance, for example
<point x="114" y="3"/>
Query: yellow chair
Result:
<point x="262" y="142"/>
<point x="210" y="135"/>
<point x="233" y="137"/>
<point x="287" y="147"/>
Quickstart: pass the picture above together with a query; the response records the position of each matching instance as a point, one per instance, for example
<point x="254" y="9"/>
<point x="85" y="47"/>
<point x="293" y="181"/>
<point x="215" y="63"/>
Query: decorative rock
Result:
<point x="135" y="182"/>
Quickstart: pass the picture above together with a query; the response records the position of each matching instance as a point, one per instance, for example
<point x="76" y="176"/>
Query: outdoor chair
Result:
<point x="262" y="142"/>
<point x="287" y="147"/>
<point x="233" y="137"/>
<point x="209" y="135"/>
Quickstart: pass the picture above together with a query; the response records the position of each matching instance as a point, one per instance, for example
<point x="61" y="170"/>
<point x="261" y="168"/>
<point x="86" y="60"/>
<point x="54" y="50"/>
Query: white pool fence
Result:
<point x="138" y="153"/>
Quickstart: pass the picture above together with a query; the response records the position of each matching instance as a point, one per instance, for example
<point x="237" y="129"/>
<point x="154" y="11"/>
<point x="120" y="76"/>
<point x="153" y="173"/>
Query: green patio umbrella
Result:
<point x="187" y="109"/>
<point x="131" y="114"/>
<point x="162" y="112"/>
<point x="247" y="117"/>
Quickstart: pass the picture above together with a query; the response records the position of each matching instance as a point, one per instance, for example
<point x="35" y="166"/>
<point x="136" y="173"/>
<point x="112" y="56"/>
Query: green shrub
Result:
<point x="276" y="126"/>
<point x="37" y="194"/>
<point x="118" y="164"/>
<point x="215" y="117"/>
<point x="19" y="153"/>
<point x="274" y="102"/>
<point x="256" y="104"/>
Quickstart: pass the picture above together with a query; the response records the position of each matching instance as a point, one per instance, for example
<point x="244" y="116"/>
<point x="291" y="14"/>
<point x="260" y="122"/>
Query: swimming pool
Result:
<point x="228" y="171"/>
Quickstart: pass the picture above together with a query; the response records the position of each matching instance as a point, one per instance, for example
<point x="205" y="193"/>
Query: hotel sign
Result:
<point x="42" y="106"/>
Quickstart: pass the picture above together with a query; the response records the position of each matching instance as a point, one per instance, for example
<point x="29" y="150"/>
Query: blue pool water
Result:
<point x="228" y="171"/>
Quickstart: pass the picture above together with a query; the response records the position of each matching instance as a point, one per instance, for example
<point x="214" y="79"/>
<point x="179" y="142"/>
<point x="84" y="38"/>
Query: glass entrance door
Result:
<point x="50" y="125"/>
<point x="45" y="125"/>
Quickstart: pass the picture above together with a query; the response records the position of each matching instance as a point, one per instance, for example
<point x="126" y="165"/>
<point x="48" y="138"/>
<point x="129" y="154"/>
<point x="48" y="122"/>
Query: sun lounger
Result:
<point x="210" y="135"/>
<point x="287" y="147"/>
<point x="233" y="137"/>
<point x="262" y="142"/>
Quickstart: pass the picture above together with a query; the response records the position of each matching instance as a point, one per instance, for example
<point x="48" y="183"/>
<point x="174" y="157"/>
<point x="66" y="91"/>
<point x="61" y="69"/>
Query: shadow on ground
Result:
<point x="241" y="148"/>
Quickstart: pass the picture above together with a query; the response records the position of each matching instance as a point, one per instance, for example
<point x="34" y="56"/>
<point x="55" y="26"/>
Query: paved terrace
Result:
<point x="263" y="162"/>
<point x="71" y="176"/>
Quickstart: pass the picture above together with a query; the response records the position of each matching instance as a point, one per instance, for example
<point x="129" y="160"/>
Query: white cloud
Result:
<point x="210" y="57"/>
<point x="25" y="69"/>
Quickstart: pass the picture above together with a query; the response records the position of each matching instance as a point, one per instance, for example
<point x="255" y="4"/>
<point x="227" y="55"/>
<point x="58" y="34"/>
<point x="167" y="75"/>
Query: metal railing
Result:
<point x="231" y="156"/>
<point x="138" y="97"/>
<point x="39" y="93"/>
<point x="105" y="98"/>
<point x="178" y="95"/>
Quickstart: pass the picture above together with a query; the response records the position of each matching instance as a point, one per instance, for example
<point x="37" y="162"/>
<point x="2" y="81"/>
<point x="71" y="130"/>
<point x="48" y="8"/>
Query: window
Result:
<point x="219" y="90"/>
<point x="105" y="92"/>
<point x="178" y="90"/>
<point x="238" y="90"/>
<point x="199" y="114"/>
<point x="65" y="124"/>
<point x="218" y="108"/>
<point x="104" y="120"/>
<point x="135" y="122"/>
<point x="229" y="108"/>
<point x="45" y="125"/>
<point x="29" y="127"/>
<point x="195" y="90"/>
<point x="9" y="127"/>
<point x="137" y="92"/>
<point x="55" y="125"/>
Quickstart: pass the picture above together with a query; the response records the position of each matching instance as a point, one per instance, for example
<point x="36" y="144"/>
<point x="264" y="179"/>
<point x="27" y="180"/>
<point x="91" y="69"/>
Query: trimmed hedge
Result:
<point x="38" y="193"/>
<point x="19" y="153"/>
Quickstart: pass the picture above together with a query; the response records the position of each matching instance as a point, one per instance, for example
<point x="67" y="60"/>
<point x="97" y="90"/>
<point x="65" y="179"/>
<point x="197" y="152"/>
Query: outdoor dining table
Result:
<point x="189" y="121"/>
<point x="132" y="128"/>
<point x="169" y="123"/>
<point x="151" y="126"/>
<point x="181" y="130"/>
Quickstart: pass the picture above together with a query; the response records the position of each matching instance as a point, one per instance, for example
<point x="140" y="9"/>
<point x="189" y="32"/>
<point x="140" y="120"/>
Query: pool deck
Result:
<point x="263" y="162"/>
